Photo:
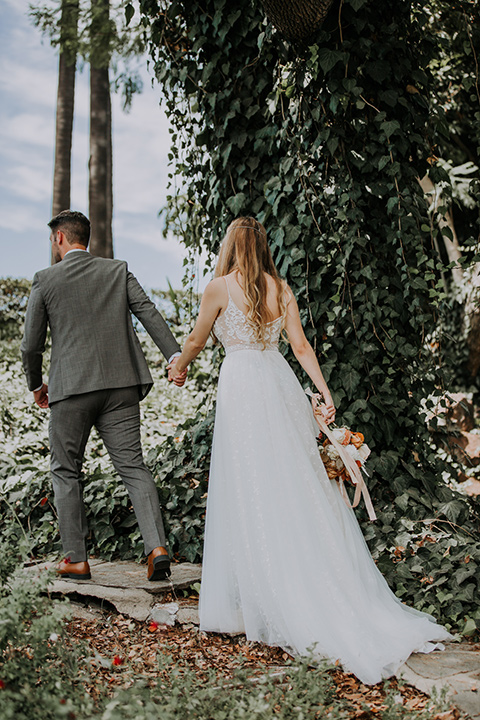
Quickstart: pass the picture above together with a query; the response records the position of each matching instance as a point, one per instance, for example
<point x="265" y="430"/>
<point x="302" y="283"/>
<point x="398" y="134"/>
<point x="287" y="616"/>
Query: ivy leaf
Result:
<point x="351" y="379"/>
<point x="129" y="12"/>
<point x="235" y="203"/>
<point x="329" y="58"/>
<point x="390" y="126"/>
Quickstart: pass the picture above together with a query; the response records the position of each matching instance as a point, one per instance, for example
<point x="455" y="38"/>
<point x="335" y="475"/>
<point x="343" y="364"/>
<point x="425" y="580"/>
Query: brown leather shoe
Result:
<point x="158" y="564"/>
<point x="74" y="571"/>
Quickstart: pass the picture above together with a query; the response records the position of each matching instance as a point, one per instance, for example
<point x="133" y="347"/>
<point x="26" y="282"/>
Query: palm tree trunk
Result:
<point x="100" y="196"/>
<point x="99" y="175"/>
<point x="65" y="107"/>
<point x="109" y="214"/>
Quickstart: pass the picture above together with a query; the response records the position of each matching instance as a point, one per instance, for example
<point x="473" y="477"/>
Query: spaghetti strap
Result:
<point x="228" y="288"/>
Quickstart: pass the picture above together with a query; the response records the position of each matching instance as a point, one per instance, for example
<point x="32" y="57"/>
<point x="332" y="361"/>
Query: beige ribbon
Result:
<point x="350" y="464"/>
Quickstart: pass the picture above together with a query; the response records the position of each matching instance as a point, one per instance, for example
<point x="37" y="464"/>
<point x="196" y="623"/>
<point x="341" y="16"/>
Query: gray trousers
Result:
<point x="116" y="415"/>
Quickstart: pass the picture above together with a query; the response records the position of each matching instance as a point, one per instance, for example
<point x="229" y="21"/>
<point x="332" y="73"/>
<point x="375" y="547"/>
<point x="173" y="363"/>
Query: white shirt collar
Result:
<point x="75" y="250"/>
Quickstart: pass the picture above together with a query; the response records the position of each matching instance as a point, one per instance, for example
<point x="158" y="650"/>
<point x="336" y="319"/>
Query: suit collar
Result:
<point x="75" y="253"/>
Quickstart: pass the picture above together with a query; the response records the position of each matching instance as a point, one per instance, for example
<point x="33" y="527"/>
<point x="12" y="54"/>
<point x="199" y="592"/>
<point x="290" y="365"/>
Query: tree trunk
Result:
<point x="100" y="164"/>
<point x="99" y="193"/>
<point x="109" y="214"/>
<point x="296" y="19"/>
<point x="472" y="320"/>
<point x="65" y="107"/>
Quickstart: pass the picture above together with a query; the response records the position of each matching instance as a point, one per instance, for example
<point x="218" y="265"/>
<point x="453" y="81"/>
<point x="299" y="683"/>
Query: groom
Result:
<point x="98" y="375"/>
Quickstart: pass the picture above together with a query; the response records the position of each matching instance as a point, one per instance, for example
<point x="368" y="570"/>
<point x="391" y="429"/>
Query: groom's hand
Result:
<point x="41" y="396"/>
<point x="177" y="378"/>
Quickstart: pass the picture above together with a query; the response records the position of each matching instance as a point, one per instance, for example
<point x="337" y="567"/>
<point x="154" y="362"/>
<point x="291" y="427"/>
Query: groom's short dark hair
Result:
<point x="74" y="224"/>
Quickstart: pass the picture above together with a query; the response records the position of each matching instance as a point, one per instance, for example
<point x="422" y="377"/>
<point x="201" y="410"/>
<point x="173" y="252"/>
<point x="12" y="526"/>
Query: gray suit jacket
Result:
<point x="87" y="301"/>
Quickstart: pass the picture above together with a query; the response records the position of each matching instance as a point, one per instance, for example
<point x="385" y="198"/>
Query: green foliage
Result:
<point x="181" y="470"/>
<point x="299" y="691"/>
<point x="13" y="304"/>
<point x="325" y="148"/>
<point x="430" y="564"/>
<point x="39" y="674"/>
<point x="27" y="509"/>
<point x="325" y="145"/>
<point x="98" y="33"/>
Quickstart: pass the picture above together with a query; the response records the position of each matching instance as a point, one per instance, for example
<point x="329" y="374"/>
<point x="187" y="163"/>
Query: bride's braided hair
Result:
<point x="245" y="249"/>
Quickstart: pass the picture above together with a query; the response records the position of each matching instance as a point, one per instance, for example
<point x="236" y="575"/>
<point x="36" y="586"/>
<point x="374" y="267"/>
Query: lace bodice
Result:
<point x="235" y="333"/>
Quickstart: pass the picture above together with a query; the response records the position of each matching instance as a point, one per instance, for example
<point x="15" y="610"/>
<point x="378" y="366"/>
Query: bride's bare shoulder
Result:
<point x="216" y="289"/>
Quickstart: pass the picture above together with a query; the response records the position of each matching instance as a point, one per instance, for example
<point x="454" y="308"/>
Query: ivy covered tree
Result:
<point x="325" y="142"/>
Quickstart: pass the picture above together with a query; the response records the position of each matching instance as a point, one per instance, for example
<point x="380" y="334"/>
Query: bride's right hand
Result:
<point x="327" y="408"/>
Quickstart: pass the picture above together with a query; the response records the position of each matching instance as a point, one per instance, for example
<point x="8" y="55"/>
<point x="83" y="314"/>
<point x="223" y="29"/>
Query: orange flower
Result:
<point x="43" y="501"/>
<point x="117" y="660"/>
<point x="357" y="439"/>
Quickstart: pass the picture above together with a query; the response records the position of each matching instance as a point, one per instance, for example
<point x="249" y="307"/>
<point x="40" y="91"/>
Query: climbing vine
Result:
<point x="325" y="143"/>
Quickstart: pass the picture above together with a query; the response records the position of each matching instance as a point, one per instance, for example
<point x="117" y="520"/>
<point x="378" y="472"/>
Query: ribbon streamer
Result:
<point x="350" y="465"/>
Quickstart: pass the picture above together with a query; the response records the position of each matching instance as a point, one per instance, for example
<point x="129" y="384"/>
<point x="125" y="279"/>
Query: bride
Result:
<point x="284" y="558"/>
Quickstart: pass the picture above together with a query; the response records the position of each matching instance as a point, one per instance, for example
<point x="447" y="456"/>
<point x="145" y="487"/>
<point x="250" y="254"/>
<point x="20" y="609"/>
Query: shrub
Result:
<point x="298" y="691"/>
<point x="13" y="304"/>
<point x="39" y="674"/>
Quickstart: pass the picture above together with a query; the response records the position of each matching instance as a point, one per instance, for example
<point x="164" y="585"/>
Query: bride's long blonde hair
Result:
<point x="244" y="248"/>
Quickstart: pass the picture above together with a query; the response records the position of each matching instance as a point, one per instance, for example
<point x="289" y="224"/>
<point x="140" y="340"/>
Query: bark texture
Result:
<point x="100" y="175"/>
<point x="296" y="20"/>
<point x="65" y="107"/>
<point x="100" y="194"/>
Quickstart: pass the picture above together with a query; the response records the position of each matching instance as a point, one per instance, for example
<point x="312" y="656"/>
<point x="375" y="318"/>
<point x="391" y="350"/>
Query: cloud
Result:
<point x="141" y="142"/>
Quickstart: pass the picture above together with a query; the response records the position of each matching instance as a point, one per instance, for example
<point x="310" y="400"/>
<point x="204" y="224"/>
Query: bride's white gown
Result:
<point x="284" y="558"/>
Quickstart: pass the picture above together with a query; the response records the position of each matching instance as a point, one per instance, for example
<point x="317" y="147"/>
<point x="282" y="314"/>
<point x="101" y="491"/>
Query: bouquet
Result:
<point x="354" y="444"/>
<point x="343" y="454"/>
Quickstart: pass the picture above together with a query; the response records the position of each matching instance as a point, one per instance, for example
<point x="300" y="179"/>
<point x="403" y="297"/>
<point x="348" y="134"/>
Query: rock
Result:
<point x="472" y="487"/>
<point x="468" y="703"/>
<point x="133" y="603"/>
<point x="464" y="447"/>
<point x="188" y="615"/>
<point x="454" y="411"/>
<point x="164" y="613"/>
<point x="456" y="669"/>
<point x="124" y="584"/>
<point x="460" y="410"/>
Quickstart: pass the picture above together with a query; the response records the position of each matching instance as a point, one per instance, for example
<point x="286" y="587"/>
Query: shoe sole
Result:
<point x="161" y="568"/>
<point x="73" y="576"/>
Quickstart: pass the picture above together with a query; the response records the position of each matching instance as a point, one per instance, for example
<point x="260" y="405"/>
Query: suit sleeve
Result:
<point x="144" y="309"/>
<point x="35" y="333"/>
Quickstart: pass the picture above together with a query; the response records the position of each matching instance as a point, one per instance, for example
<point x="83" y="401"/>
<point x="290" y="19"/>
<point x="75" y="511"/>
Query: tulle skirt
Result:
<point x="285" y="561"/>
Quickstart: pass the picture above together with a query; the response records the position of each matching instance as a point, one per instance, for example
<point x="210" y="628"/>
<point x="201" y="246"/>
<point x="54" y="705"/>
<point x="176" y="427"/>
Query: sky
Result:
<point x="28" y="89"/>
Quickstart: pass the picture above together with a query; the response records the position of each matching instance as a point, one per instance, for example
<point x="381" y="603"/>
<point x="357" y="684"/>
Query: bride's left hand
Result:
<point x="328" y="411"/>
<point x="327" y="408"/>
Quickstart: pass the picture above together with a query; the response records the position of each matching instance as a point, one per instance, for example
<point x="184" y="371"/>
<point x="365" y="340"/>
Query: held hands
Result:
<point x="41" y="396"/>
<point x="178" y="378"/>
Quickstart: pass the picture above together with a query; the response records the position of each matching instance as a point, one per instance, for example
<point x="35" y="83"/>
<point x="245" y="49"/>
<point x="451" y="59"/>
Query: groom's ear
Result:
<point x="61" y="238"/>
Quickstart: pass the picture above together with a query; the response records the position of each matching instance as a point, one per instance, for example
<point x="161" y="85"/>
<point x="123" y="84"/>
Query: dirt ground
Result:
<point x="121" y="649"/>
